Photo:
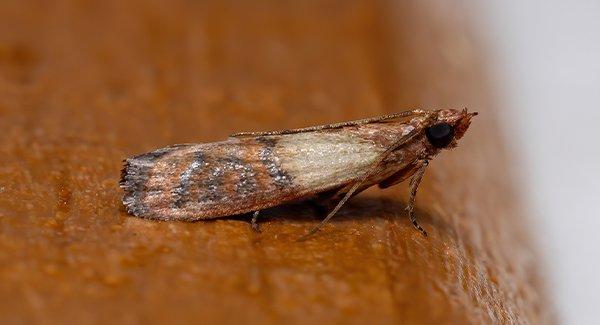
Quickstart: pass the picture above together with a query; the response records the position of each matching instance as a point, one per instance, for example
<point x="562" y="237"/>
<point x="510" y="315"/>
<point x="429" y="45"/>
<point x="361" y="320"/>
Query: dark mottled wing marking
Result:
<point x="185" y="179"/>
<point x="135" y="174"/>
<point x="246" y="183"/>
<point x="204" y="180"/>
<point x="230" y="176"/>
<point x="267" y="158"/>
<point x="211" y="183"/>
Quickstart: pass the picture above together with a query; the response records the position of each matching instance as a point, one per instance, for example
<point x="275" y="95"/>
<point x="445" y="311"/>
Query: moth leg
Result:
<point x="253" y="222"/>
<point x="335" y="210"/>
<point x="360" y="181"/>
<point x="414" y="185"/>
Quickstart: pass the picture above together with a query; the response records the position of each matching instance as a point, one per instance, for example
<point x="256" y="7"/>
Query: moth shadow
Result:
<point x="358" y="209"/>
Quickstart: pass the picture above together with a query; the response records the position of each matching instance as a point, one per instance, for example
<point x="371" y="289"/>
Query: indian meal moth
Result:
<point x="252" y="171"/>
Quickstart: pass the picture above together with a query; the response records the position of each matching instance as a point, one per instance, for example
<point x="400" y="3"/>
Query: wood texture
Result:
<point x="84" y="84"/>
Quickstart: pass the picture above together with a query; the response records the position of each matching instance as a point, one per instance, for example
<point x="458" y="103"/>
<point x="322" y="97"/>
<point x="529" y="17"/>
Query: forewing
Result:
<point x="189" y="182"/>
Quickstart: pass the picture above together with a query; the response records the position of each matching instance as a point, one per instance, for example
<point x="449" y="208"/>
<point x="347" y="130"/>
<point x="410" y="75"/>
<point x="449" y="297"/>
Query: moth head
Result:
<point x="449" y="126"/>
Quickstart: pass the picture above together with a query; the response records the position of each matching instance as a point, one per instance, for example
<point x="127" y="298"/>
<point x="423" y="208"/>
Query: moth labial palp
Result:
<point x="253" y="171"/>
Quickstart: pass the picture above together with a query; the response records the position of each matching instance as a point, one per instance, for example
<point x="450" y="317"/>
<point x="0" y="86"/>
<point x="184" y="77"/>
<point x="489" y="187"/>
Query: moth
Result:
<point x="252" y="171"/>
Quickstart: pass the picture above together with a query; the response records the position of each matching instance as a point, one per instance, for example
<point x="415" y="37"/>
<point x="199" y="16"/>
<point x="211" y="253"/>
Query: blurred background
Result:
<point x="547" y="63"/>
<point x="84" y="84"/>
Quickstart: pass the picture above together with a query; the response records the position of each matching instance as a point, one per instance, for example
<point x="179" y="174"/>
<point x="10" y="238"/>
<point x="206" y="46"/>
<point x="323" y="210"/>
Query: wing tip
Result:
<point x="133" y="182"/>
<point x="134" y="176"/>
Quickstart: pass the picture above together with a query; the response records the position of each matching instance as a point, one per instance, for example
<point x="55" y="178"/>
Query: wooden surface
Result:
<point x="85" y="84"/>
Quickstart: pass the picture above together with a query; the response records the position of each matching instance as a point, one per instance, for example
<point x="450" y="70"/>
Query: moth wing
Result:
<point x="202" y="181"/>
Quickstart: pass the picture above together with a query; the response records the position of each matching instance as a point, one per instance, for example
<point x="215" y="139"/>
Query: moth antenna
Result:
<point x="334" y="125"/>
<point x="371" y="171"/>
<point x="414" y="185"/>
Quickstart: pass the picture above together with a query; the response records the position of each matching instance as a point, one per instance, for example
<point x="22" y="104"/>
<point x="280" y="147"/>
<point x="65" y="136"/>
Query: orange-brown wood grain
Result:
<point x="85" y="84"/>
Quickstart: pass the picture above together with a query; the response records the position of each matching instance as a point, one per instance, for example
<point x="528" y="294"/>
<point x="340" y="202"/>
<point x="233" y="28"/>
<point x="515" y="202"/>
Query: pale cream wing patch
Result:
<point x="323" y="160"/>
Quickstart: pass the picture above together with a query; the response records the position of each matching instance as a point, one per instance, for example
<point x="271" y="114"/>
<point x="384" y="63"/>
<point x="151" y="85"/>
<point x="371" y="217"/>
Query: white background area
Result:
<point x="547" y="57"/>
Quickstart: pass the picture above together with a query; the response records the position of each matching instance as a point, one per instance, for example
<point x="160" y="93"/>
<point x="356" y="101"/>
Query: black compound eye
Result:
<point x="440" y="135"/>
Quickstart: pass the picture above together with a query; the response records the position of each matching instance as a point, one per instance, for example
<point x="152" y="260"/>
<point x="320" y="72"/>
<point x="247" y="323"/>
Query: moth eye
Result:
<point x="440" y="135"/>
